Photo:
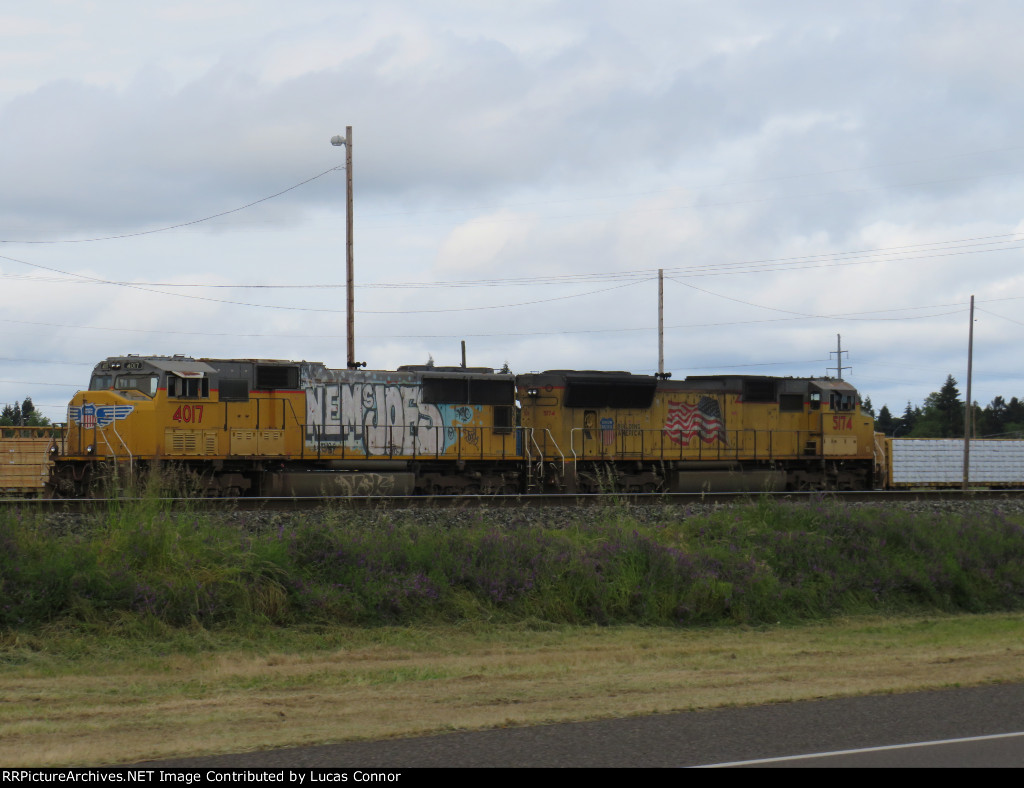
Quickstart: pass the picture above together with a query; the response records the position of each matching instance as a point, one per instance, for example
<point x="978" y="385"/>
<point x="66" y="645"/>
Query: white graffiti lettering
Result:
<point x="373" y="418"/>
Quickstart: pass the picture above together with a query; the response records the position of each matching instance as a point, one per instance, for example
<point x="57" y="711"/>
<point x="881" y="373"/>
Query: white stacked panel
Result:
<point x="928" y="462"/>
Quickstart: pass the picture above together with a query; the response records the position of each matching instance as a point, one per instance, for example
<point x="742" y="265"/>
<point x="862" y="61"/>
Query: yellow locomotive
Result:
<point x="298" y="428"/>
<point x="293" y="428"/>
<point x="614" y="430"/>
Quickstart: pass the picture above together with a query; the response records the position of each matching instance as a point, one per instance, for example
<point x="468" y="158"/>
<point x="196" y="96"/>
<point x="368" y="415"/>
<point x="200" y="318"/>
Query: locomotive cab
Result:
<point x="111" y="424"/>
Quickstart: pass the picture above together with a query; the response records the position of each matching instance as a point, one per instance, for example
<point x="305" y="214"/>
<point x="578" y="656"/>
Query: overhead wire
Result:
<point x="41" y="383"/>
<point x="961" y="307"/>
<point x="618" y="196"/>
<point x="558" y="332"/>
<point x="928" y="250"/>
<point x="617" y="210"/>
<point x="180" y="224"/>
<point x="281" y="307"/>
<point x="995" y="314"/>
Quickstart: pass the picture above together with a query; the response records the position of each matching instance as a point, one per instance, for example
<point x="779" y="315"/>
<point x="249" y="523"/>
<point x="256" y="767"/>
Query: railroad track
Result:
<point x="683" y="500"/>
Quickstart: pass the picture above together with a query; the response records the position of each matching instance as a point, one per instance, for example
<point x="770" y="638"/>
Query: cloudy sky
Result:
<point x="801" y="170"/>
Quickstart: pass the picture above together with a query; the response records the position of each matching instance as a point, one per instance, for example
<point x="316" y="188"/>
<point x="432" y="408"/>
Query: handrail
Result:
<point x="533" y="440"/>
<point x="131" y="457"/>
<point x="102" y="434"/>
<point x="553" y="443"/>
<point x="286" y="405"/>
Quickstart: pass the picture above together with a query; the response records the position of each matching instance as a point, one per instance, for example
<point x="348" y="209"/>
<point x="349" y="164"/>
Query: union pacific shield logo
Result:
<point x="90" y="415"/>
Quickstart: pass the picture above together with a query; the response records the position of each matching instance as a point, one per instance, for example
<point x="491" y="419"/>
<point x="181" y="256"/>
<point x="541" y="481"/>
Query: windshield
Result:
<point x="145" y="384"/>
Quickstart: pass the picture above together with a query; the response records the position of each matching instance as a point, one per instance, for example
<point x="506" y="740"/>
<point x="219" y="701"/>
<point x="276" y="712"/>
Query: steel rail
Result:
<point x="680" y="500"/>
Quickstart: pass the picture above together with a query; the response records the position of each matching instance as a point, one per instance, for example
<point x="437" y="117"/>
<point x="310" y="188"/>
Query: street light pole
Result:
<point x="338" y="140"/>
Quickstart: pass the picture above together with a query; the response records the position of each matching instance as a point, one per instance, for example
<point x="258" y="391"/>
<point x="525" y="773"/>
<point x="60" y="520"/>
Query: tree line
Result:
<point x="942" y="416"/>
<point x="23" y="415"/>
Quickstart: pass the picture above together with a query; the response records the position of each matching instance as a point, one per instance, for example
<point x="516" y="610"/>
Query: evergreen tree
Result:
<point x="1014" y="421"/>
<point x="992" y="418"/>
<point x="942" y="415"/>
<point x="907" y="421"/>
<point x="1002" y="419"/>
<point x="951" y="408"/>
<point x="23" y="415"/>
<point x="885" y="422"/>
<point x="867" y="407"/>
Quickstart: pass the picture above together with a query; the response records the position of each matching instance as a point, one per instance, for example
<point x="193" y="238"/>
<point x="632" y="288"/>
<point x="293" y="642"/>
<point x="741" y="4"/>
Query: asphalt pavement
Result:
<point x="881" y="725"/>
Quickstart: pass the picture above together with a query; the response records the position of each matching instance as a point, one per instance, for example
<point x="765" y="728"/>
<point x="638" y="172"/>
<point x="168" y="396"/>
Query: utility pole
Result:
<point x="967" y="404"/>
<point x="338" y="140"/>
<point x="661" y="374"/>
<point x="661" y="323"/>
<point x="839" y="358"/>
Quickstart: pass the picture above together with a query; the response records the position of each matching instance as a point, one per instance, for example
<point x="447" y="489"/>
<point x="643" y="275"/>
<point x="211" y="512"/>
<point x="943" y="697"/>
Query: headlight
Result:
<point x="90" y="449"/>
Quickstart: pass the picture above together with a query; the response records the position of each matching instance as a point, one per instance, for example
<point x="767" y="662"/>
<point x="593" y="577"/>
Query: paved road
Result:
<point x="707" y="737"/>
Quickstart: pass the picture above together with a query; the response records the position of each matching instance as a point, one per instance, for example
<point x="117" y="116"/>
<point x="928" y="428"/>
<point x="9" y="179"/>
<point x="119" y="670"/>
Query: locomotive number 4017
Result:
<point x="188" y="414"/>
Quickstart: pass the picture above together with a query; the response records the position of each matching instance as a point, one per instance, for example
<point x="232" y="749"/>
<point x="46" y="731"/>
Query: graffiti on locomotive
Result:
<point x="381" y="419"/>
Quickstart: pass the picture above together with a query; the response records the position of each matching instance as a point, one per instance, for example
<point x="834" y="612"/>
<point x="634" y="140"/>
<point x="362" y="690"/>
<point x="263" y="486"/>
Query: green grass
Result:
<point x="143" y="569"/>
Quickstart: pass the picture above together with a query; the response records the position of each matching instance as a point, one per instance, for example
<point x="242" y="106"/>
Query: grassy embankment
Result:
<point x="142" y="565"/>
<point x="157" y="632"/>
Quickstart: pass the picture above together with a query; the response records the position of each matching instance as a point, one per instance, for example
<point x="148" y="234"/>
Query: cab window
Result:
<point x="145" y="384"/>
<point x="101" y="382"/>
<point x="191" y="388"/>
<point x="839" y="401"/>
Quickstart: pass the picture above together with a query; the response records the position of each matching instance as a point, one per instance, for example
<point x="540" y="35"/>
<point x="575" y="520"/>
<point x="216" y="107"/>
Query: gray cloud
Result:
<point x="519" y="140"/>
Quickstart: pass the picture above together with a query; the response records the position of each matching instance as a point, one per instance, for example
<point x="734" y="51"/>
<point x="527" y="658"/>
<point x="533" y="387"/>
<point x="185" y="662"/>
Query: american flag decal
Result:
<point x="703" y="419"/>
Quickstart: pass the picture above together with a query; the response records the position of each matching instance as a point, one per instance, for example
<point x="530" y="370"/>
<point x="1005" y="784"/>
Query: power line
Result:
<point x="179" y="225"/>
<point x="762" y="364"/>
<point x="463" y="334"/>
<point x="840" y="316"/>
<point x="729" y="203"/>
<point x="493" y="306"/>
<point x="40" y="383"/>
<point x="1004" y="317"/>
<point x="882" y="254"/>
<point x="617" y="196"/>
<point x="45" y="361"/>
<point x="94" y="280"/>
<point x="934" y="249"/>
<point x="653" y="192"/>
